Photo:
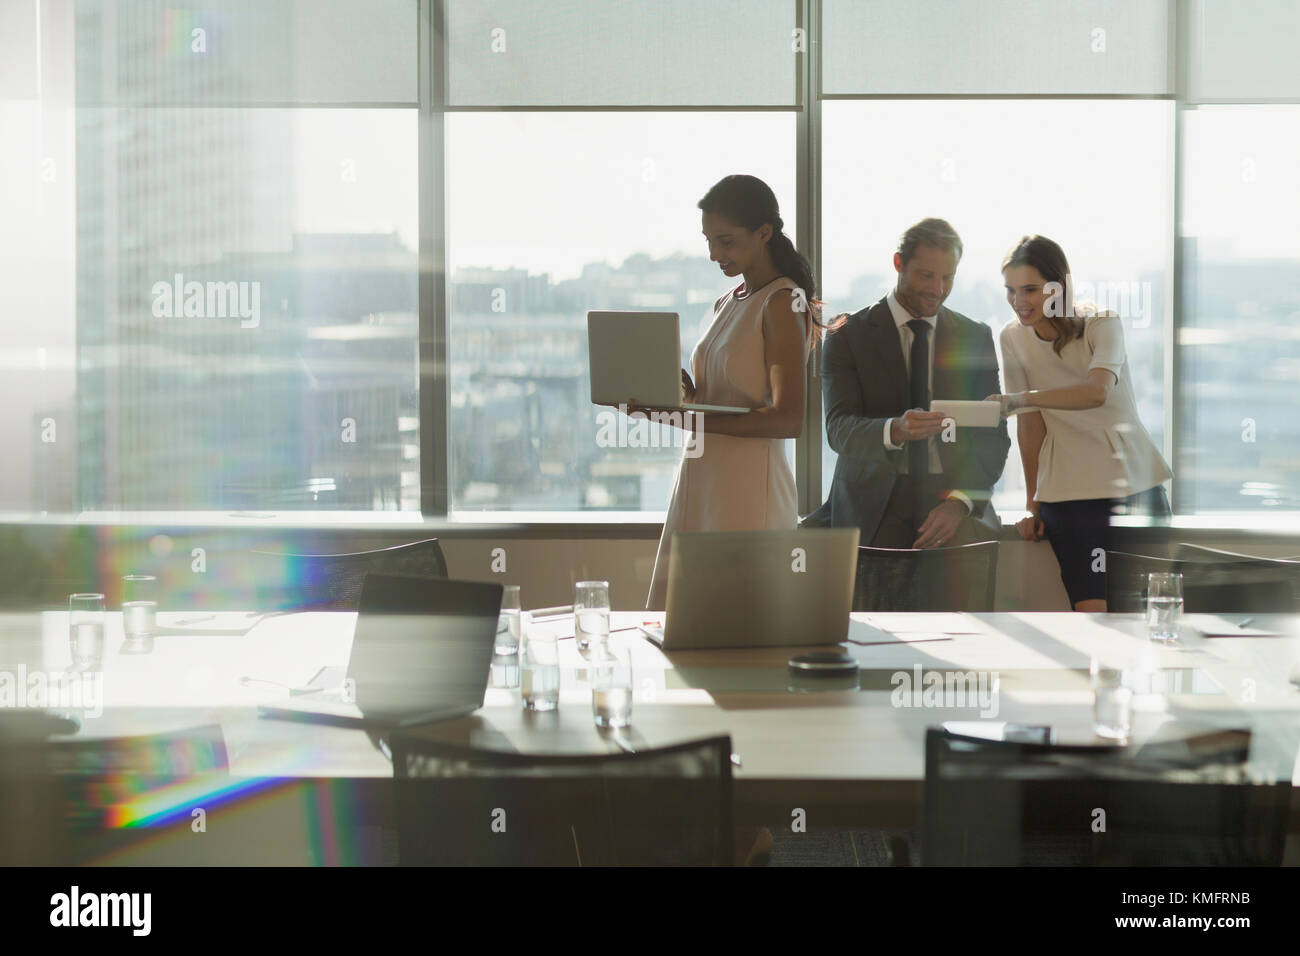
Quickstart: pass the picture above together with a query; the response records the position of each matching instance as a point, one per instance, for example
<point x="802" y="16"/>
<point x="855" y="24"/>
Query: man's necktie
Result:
<point x="918" y="457"/>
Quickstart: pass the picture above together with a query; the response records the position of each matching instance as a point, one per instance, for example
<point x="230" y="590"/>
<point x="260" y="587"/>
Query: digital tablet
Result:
<point x="969" y="414"/>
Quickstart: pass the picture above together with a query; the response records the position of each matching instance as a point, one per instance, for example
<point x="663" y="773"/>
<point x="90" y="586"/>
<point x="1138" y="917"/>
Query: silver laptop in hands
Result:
<point x="759" y="588"/>
<point x="637" y="355"/>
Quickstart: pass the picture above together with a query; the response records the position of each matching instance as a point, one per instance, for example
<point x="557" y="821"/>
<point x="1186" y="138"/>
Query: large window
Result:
<point x="247" y="321"/>
<point x="1239" y="341"/>
<point x="553" y="214"/>
<point x="1094" y="175"/>
<point x="336" y="254"/>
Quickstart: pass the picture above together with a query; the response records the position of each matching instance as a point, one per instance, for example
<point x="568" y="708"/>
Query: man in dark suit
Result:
<point x="902" y="478"/>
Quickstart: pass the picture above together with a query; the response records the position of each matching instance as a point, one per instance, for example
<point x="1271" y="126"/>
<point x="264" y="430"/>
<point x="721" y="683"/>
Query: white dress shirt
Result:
<point x="1102" y="452"/>
<point x="905" y="337"/>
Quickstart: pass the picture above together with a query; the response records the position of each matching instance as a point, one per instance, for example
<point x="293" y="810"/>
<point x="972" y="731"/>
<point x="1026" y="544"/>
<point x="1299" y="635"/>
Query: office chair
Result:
<point x="332" y="582"/>
<point x="1209" y="586"/>
<point x="28" y="831"/>
<point x="459" y="806"/>
<point x="1198" y="552"/>
<point x="932" y="579"/>
<point x="1175" y="803"/>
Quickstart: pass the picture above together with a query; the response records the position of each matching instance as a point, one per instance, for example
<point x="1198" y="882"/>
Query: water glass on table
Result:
<point x="539" y="667"/>
<point x="1164" y="606"/>
<point x="139" y="587"/>
<point x="138" y="619"/>
<point x="1112" y="702"/>
<point x="86" y="631"/>
<point x="139" y="612"/>
<point x="590" y="614"/>
<point x="611" y="687"/>
<point x="507" y="640"/>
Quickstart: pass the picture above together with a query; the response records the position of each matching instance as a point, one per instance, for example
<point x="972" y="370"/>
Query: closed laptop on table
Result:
<point x="422" y="651"/>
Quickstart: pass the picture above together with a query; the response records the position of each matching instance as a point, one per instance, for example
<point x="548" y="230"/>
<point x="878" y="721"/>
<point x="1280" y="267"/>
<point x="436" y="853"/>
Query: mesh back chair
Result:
<point x="1179" y="803"/>
<point x="931" y="579"/>
<point x="332" y="582"/>
<point x="1209" y="587"/>
<point x="458" y="806"/>
<point x="1198" y="552"/>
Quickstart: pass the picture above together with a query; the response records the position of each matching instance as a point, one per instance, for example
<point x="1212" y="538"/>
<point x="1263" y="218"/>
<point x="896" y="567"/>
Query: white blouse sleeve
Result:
<point x="1014" y="376"/>
<point x="1106" y="336"/>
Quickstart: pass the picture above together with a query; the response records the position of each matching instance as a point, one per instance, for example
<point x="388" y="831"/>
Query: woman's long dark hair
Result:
<point x="1049" y="259"/>
<point x="749" y="202"/>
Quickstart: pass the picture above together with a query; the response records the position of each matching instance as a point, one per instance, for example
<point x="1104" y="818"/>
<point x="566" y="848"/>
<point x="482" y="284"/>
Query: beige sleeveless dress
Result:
<point x="735" y="484"/>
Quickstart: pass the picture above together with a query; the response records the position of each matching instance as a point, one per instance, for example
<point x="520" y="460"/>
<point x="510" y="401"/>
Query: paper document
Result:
<point x="208" y="623"/>
<point x="916" y="622"/>
<point x="864" y="633"/>
<point x="1212" y="625"/>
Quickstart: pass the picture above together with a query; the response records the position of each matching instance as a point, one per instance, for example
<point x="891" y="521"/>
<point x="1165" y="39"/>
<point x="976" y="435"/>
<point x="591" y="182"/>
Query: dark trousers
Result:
<point x="906" y="511"/>
<point x="1079" y="532"/>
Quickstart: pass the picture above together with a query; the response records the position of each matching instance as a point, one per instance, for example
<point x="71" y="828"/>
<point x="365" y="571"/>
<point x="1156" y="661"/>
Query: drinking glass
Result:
<point x="86" y="631"/>
<point x="590" y="614"/>
<point x="611" y="687"/>
<point x="138" y="619"/>
<point x="139" y="587"/>
<point x="507" y="641"/>
<point x="1164" y="606"/>
<point x="139" y="612"/>
<point x="539" y="667"/>
<point x="1112" y="704"/>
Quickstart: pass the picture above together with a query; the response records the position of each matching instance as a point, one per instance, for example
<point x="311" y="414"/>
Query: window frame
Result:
<point x="433" y="289"/>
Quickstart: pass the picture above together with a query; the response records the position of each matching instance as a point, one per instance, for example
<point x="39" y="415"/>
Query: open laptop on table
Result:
<point x="759" y="588"/>
<point x="421" y="652"/>
<point x="637" y="355"/>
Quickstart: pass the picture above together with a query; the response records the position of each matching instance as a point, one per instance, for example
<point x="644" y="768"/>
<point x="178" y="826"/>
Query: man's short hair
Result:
<point x="929" y="232"/>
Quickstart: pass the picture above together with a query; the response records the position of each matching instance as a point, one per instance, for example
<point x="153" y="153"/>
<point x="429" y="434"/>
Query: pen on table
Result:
<point x="196" y="620"/>
<point x="551" y="611"/>
<point x="1246" y="621"/>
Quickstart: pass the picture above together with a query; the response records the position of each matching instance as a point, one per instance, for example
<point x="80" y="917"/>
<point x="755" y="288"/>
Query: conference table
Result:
<point x="843" y="753"/>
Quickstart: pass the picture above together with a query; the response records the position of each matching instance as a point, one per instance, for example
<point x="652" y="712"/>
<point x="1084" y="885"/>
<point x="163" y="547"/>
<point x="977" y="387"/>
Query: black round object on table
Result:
<point x="823" y="664"/>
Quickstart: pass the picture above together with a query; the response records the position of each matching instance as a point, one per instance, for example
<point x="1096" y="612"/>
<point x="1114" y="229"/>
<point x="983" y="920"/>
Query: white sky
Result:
<point x="552" y="191"/>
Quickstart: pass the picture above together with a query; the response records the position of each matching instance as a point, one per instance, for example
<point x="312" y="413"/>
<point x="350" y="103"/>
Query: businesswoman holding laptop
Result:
<point x="754" y="354"/>
<point x="1084" y="450"/>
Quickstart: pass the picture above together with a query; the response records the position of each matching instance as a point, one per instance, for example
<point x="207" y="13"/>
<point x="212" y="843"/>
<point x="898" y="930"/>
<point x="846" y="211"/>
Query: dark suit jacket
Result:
<point x="864" y="383"/>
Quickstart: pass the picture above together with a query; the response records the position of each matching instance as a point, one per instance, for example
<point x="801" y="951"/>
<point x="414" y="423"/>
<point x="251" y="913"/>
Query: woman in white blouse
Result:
<point x="1083" y="447"/>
